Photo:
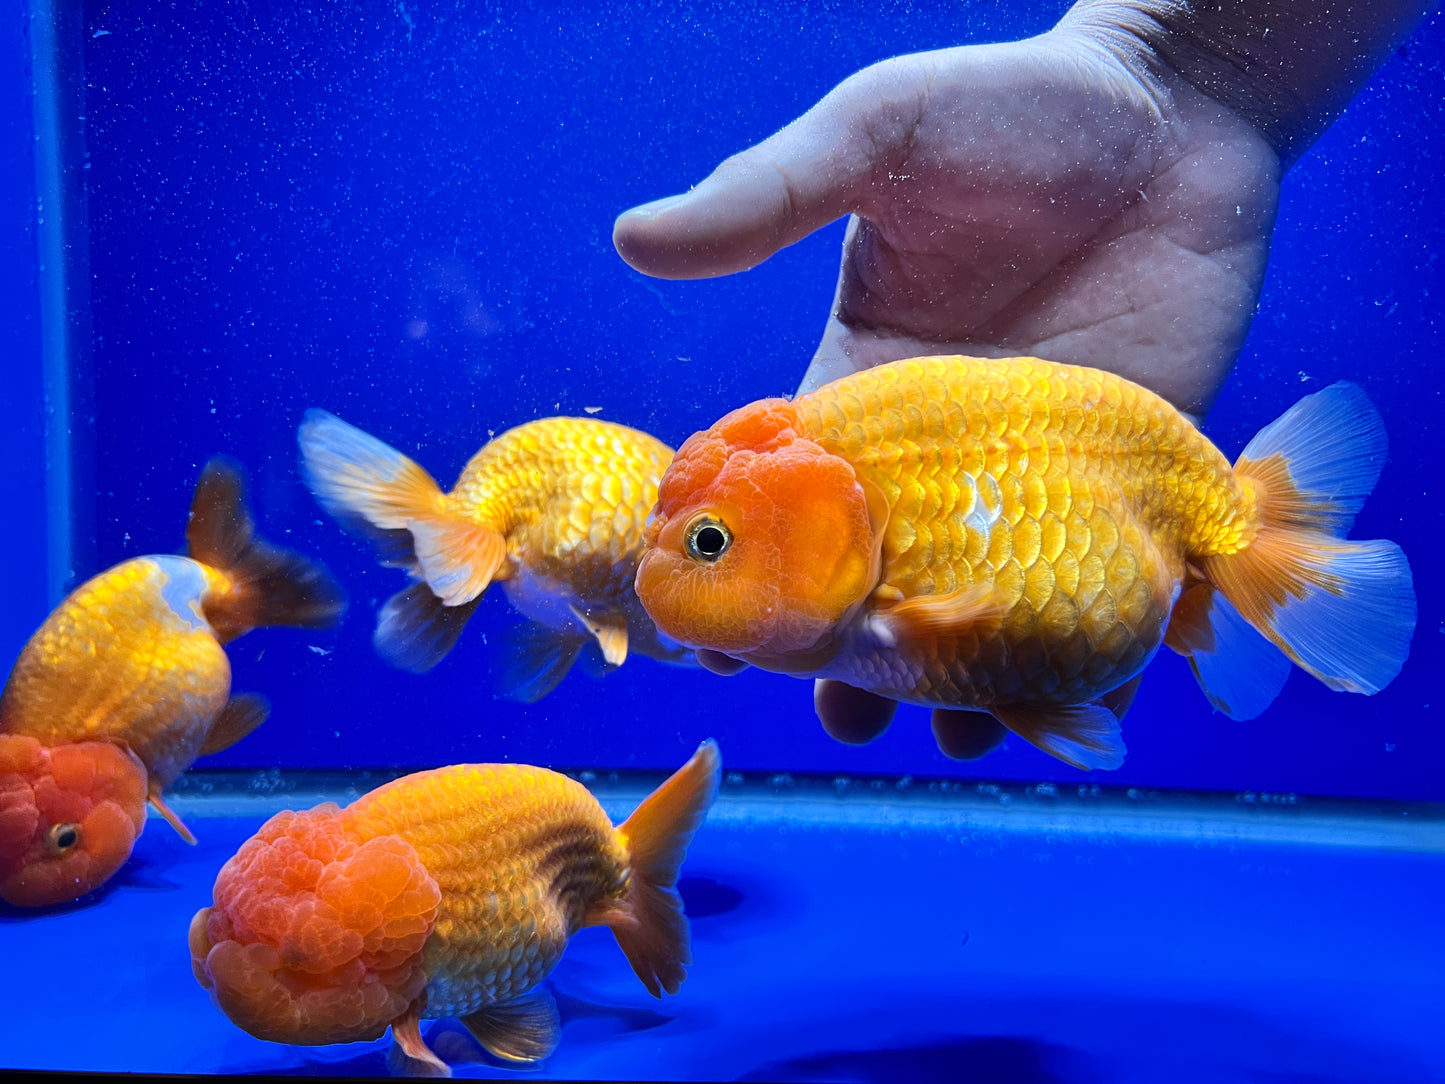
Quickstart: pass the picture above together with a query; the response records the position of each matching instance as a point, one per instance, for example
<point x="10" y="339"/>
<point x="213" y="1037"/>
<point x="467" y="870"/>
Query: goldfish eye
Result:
<point x="707" y="538"/>
<point x="62" y="838"/>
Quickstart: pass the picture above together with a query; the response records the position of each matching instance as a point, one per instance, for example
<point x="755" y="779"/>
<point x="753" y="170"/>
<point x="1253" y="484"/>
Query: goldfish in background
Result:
<point x="447" y="893"/>
<point x="1020" y="537"/>
<point x="554" y="509"/>
<point x="126" y="683"/>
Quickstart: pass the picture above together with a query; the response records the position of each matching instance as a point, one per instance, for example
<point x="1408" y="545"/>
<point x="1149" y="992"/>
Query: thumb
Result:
<point x="810" y="173"/>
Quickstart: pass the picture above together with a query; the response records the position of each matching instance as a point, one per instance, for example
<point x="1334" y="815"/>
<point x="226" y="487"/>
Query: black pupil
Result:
<point x="65" y="838"/>
<point x="710" y="541"/>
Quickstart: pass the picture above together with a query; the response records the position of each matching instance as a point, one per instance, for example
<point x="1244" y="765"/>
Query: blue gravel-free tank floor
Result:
<point x="848" y="938"/>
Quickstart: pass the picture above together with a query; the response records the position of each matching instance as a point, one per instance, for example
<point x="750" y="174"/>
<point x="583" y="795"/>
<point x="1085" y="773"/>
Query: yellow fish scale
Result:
<point x="128" y="657"/>
<point x="570" y="494"/>
<point x="519" y="853"/>
<point x="1075" y="495"/>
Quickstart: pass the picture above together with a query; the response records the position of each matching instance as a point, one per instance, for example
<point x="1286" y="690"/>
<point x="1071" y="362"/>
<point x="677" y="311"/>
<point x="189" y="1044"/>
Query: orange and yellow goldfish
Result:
<point x="1020" y="537"/>
<point x="126" y="683"/>
<point x="447" y="893"/>
<point x="554" y="509"/>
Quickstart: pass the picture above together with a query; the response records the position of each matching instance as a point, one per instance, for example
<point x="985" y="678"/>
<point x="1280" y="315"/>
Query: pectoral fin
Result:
<point x="1084" y="735"/>
<point x="241" y="715"/>
<point x="524" y="1029"/>
<point x="973" y="608"/>
<point x="610" y="631"/>
<point x="410" y="1056"/>
<point x="170" y="817"/>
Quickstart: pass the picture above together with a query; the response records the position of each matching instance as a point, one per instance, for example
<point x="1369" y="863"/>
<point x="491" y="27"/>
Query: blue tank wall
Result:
<point x="23" y="543"/>
<point x="403" y="215"/>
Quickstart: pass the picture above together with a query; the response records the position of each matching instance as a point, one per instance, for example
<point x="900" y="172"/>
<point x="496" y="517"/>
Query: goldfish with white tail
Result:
<point x="1019" y="537"/>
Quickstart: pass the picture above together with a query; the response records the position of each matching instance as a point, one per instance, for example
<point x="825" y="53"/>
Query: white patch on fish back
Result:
<point x="183" y="586"/>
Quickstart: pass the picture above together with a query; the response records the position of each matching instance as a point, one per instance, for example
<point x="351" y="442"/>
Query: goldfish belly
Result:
<point x="128" y="656"/>
<point x="1066" y="645"/>
<point x="489" y="948"/>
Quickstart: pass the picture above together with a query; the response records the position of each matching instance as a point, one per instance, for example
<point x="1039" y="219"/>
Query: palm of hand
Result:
<point x="1039" y="198"/>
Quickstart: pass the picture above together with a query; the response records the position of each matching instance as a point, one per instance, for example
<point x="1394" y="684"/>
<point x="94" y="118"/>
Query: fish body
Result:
<point x="129" y="677"/>
<point x="446" y="893"/>
<point x="553" y="509"/>
<point x="1017" y="536"/>
<point x="127" y="656"/>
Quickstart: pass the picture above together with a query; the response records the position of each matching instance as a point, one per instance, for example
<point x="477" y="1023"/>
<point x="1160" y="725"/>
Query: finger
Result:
<point x="966" y="735"/>
<point x="851" y="716"/>
<point x="810" y="173"/>
<point x="716" y="662"/>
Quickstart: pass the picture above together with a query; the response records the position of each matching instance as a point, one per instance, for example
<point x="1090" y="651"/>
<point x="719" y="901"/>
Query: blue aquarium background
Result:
<point x="402" y="214"/>
<point x="219" y="215"/>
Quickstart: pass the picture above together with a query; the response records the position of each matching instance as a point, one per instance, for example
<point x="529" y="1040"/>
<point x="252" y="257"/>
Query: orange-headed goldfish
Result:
<point x="554" y="509"/>
<point x="447" y="893"/>
<point x="126" y="683"/>
<point x="1016" y="536"/>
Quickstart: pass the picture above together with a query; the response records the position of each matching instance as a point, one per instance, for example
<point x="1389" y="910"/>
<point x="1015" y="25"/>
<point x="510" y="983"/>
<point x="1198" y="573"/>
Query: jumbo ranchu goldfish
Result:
<point x="1019" y="537"/>
<point x="553" y="509"/>
<point x="447" y="893"/>
<point x="127" y="683"/>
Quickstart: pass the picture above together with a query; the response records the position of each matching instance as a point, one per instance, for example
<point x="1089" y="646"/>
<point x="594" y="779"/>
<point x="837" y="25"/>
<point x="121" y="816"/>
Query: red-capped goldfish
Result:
<point x="1020" y="537"/>
<point x="553" y="509"/>
<point x="447" y="893"/>
<point x="126" y="684"/>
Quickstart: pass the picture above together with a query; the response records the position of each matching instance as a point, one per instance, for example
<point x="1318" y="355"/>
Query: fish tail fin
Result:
<point x="270" y="585"/>
<point x="1343" y="610"/>
<point x="651" y="927"/>
<point x="1240" y="671"/>
<point x="371" y="487"/>
<point x="415" y="630"/>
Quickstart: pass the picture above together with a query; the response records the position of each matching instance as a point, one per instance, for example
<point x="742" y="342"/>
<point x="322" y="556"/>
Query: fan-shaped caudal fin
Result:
<point x="270" y="585"/>
<point x="1345" y="611"/>
<point x="69" y="817"/>
<point x="315" y="936"/>
<point x="650" y="924"/>
<point x="371" y="487"/>
<point x="1239" y="670"/>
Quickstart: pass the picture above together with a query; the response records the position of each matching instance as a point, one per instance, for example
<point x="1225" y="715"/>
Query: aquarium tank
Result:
<point x="301" y="242"/>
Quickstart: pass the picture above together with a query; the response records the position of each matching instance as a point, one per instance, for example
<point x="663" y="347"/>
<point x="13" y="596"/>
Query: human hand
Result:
<point x="1056" y="197"/>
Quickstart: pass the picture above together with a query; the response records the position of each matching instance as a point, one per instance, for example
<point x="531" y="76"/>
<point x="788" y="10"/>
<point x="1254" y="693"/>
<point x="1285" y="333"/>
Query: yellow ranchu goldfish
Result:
<point x="447" y="893"/>
<point x="554" y="509"/>
<point x="1019" y="537"/>
<point x="126" y="683"/>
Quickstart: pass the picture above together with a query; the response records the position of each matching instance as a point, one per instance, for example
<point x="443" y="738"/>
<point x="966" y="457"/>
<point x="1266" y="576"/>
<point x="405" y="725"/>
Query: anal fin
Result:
<point x="524" y="1029"/>
<point x="609" y="629"/>
<point x="535" y="661"/>
<point x="241" y="715"/>
<point x="1084" y="735"/>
